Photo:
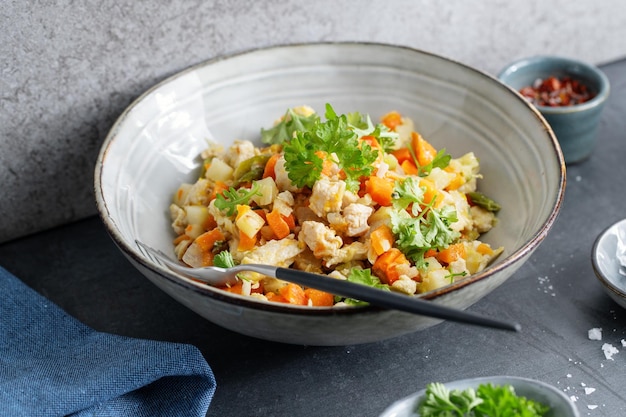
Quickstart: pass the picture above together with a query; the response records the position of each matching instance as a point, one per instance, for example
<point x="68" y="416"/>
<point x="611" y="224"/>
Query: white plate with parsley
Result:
<point x="485" y="397"/>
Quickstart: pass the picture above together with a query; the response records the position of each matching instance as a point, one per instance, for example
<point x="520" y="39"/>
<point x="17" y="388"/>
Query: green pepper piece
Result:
<point x="483" y="201"/>
<point x="250" y="169"/>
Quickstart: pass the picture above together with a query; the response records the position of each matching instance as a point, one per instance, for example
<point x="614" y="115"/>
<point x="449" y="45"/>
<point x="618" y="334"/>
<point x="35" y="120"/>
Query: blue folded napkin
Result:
<point x="53" y="365"/>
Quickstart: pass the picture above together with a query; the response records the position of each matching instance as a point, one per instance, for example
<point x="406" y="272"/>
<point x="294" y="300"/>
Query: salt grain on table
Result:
<point x="609" y="350"/>
<point x="595" y="333"/>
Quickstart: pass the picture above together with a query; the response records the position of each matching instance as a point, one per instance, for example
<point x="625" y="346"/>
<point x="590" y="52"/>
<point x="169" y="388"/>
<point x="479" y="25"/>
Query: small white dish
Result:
<point x="606" y="264"/>
<point x="560" y="405"/>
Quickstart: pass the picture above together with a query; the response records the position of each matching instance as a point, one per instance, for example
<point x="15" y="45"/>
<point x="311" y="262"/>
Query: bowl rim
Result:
<point x="242" y="301"/>
<point x="603" y="81"/>
<point x="604" y="280"/>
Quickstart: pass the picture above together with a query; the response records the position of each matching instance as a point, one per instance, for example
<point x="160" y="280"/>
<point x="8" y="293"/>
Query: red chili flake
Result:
<point x="556" y="92"/>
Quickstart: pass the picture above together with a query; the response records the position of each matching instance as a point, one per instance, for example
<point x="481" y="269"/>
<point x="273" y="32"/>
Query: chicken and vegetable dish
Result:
<point x="336" y="195"/>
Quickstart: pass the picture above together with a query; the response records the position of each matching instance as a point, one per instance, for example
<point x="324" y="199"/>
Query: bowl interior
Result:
<point x="154" y="146"/>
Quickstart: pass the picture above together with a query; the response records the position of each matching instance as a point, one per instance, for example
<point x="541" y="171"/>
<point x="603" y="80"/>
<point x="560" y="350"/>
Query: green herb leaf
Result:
<point x="363" y="126"/>
<point x="231" y="198"/>
<point x="407" y="192"/>
<point x="441" y="160"/>
<point x="364" y="277"/>
<point x="428" y="230"/>
<point x="284" y="130"/>
<point x="224" y="259"/>
<point x="338" y="142"/>
<point x="486" y="401"/>
<point x="442" y="402"/>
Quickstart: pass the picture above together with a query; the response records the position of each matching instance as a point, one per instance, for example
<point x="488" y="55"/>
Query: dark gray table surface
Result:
<point x="555" y="296"/>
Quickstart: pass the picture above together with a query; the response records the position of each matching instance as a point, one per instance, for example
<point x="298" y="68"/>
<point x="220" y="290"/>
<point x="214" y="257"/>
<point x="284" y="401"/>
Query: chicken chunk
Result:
<point x="275" y="252"/>
<point x="240" y="151"/>
<point x="322" y="240"/>
<point x="327" y="196"/>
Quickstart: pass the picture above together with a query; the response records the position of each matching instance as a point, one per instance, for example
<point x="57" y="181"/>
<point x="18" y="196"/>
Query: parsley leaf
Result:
<point x="332" y="140"/>
<point x="430" y="229"/>
<point x="407" y="192"/>
<point x="284" y="130"/>
<point x="437" y="229"/>
<point x="363" y="126"/>
<point x="229" y="199"/>
<point x="486" y="401"/>
<point x="443" y="402"/>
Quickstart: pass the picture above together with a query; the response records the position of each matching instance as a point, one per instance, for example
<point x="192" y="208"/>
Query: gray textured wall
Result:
<point x="68" y="69"/>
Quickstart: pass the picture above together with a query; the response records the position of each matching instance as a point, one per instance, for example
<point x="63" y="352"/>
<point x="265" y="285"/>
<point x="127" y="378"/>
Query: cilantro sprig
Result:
<point x="332" y="140"/>
<point x="486" y="401"/>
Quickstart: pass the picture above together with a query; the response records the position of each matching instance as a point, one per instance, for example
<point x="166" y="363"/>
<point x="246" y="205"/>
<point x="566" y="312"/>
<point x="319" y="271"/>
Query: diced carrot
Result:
<point x="484" y="249"/>
<point x="392" y="120"/>
<point x="409" y="167"/>
<point x="380" y="189"/>
<point x="385" y="265"/>
<point x="235" y="288"/>
<point x="424" y="151"/>
<point x="456" y="182"/>
<point x="278" y="224"/>
<point x="402" y="154"/>
<point x="246" y="242"/>
<point x="430" y="253"/>
<point x="452" y="253"/>
<point x="270" y="166"/>
<point x="218" y="188"/>
<point x="327" y="165"/>
<point x="294" y="294"/>
<point x="206" y="241"/>
<point x="210" y="223"/>
<point x="290" y="220"/>
<point x="431" y="192"/>
<point x="381" y="239"/>
<point x="319" y="298"/>
<point x="371" y="140"/>
<point x="276" y="298"/>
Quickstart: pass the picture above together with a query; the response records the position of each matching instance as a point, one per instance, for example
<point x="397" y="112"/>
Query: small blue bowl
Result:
<point x="575" y="126"/>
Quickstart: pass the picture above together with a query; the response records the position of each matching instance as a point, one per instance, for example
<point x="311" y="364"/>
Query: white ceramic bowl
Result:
<point x="606" y="263"/>
<point x="560" y="405"/>
<point x="155" y="143"/>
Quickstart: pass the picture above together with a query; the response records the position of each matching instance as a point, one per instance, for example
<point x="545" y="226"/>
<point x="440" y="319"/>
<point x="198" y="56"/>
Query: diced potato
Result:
<point x="433" y="280"/>
<point x="194" y="230"/>
<point x="248" y="221"/>
<point x="219" y="170"/>
<point x="267" y="190"/>
<point x="197" y="215"/>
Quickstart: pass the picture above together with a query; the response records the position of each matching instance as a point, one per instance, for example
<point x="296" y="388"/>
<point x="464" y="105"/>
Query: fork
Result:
<point x="216" y="276"/>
